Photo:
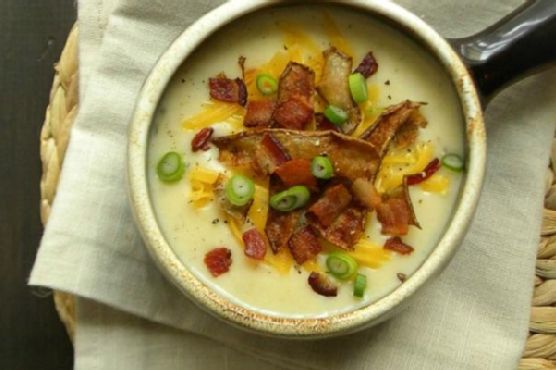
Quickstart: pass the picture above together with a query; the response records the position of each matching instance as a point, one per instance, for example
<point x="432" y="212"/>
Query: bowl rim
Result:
<point x="207" y="298"/>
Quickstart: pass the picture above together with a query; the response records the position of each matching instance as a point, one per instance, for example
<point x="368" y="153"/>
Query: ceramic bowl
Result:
<point x="205" y="297"/>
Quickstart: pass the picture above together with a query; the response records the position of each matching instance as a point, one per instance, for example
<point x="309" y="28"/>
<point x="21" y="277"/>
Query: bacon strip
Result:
<point x="295" y="97"/>
<point x="297" y="172"/>
<point x="334" y="87"/>
<point x="381" y="133"/>
<point x="368" y="66"/>
<point x="218" y="261"/>
<point x="201" y="139"/>
<point x="280" y="227"/>
<point x="329" y="206"/>
<point x="255" y="246"/>
<point x="294" y="114"/>
<point x="396" y="213"/>
<point x="417" y="178"/>
<point x="395" y="244"/>
<point x="352" y="158"/>
<point x="304" y="245"/>
<point x="225" y="89"/>
<point x="259" y="113"/>
<point x="322" y="285"/>
<point x="347" y="228"/>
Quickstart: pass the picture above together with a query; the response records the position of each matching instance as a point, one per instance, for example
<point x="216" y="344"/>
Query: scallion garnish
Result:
<point x="336" y="115"/>
<point x="240" y="190"/>
<point x="290" y="199"/>
<point x="266" y="84"/>
<point x="341" y="265"/>
<point x="321" y="167"/>
<point x="358" y="87"/>
<point x="359" y="285"/>
<point x="170" y="167"/>
<point x="453" y="162"/>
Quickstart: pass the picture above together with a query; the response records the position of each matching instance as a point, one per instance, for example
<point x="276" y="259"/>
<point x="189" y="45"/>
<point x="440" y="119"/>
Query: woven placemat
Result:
<point x="540" y="348"/>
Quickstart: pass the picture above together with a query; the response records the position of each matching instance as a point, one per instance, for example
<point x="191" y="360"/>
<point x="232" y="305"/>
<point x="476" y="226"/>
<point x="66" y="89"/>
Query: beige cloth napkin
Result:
<point x="473" y="316"/>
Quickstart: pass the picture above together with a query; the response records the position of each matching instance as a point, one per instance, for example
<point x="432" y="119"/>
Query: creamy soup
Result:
<point x="190" y="217"/>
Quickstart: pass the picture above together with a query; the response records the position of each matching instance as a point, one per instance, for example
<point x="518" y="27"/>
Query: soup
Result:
<point x="229" y="215"/>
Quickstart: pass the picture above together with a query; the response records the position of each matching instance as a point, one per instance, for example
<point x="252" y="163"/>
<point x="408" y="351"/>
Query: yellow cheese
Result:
<point x="281" y="261"/>
<point x="369" y="254"/>
<point x="202" y="181"/>
<point x="437" y="183"/>
<point x="213" y="111"/>
<point x="258" y="212"/>
<point x="399" y="162"/>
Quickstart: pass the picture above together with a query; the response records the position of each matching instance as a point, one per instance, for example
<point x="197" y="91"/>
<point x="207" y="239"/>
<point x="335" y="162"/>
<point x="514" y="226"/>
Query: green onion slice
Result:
<point x="240" y="190"/>
<point x="290" y="199"/>
<point x="321" y="167"/>
<point x="453" y="162"/>
<point x="341" y="265"/>
<point x="359" y="285"/>
<point x="358" y="87"/>
<point x="335" y="115"/>
<point x="170" y="168"/>
<point x="266" y="84"/>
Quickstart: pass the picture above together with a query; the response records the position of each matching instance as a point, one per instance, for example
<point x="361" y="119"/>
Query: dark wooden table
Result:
<point x="32" y="34"/>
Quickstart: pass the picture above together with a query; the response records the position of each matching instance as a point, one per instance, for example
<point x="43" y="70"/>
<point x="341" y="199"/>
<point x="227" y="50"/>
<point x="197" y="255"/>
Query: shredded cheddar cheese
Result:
<point x="202" y="190"/>
<point x="369" y="254"/>
<point x="399" y="162"/>
<point x="214" y="112"/>
<point x="281" y="261"/>
<point x="437" y="183"/>
<point x="258" y="212"/>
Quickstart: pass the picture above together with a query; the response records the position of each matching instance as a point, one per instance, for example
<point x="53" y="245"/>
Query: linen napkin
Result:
<point x="473" y="316"/>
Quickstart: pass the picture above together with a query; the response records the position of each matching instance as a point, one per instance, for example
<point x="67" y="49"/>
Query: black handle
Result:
<point x="518" y="45"/>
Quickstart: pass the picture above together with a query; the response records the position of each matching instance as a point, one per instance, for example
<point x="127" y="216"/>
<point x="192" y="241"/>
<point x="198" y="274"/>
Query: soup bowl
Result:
<point x="477" y="68"/>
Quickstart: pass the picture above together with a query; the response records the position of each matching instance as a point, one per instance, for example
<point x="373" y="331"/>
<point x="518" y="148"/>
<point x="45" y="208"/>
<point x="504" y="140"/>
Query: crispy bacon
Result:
<point x="254" y="243"/>
<point x="225" y="89"/>
<point x="270" y="154"/>
<point x="417" y="178"/>
<point x="323" y="124"/>
<point x="259" y="113"/>
<point x="295" y="97"/>
<point x="293" y="113"/>
<point x="304" y="245"/>
<point x="381" y="133"/>
<point x="218" y="261"/>
<point x="368" y="65"/>
<point x="201" y="139"/>
<point x="347" y="228"/>
<point x="297" y="172"/>
<point x="322" y="285"/>
<point x="329" y="206"/>
<point x="352" y="157"/>
<point x="297" y="81"/>
<point x="334" y="88"/>
<point x="280" y="227"/>
<point x="395" y="244"/>
<point x="396" y="213"/>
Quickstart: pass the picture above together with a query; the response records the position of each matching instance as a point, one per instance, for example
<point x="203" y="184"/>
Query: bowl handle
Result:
<point x="520" y="44"/>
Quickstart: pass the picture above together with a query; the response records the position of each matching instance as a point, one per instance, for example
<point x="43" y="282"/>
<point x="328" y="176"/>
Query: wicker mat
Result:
<point x="540" y="349"/>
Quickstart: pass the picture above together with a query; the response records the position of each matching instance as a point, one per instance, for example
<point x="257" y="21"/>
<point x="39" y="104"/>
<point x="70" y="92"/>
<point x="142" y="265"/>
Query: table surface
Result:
<point x="32" y="34"/>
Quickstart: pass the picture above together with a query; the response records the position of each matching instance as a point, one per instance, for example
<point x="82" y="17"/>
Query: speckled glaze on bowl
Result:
<point x="375" y="312"/>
